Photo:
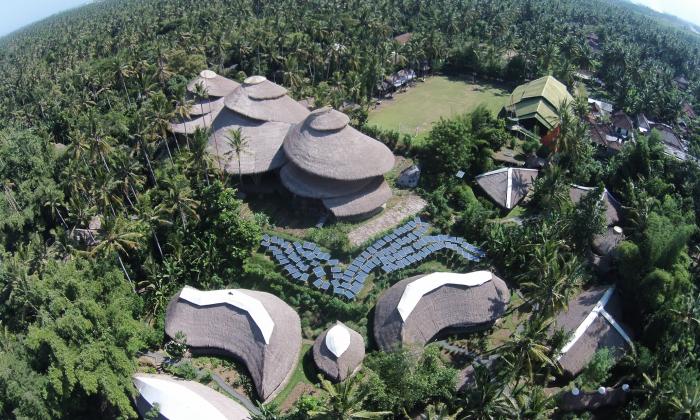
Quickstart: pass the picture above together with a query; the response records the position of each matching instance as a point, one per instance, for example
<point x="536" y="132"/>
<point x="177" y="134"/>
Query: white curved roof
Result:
<point x="256" y="310"/>
<point x="413" y="293"/>
<point x="174" y="400"/>
<point x="338" y="339"/>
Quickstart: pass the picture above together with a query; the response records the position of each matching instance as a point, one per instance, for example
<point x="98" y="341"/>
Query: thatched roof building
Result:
<point x="590" y="318"/>
<point x="332" y="161"/>
<point x="181" y="399"/>
<point x="263" y="113"/>
<point x="339" y="352"/>
<point x="613" y="208"/>
<point x="214" y="88"/>
<point x="255" y="327"/>
<point x="417" y="309"/>
<point x="507" y="186"/>
<point x="539" y="102"/>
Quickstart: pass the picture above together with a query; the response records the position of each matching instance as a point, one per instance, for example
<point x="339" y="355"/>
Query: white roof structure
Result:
<point x="517" y="184"/>
<point x="598" y="309"/>
<point x="338" y="339"/>
<point x="175" y="401"/>
<point x="413" y="293"/>
<point x="256" y="310"/>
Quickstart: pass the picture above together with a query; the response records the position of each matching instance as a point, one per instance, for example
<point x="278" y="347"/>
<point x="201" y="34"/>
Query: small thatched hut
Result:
<point x="207" y="92"/>
<point x="255" y="327"/>
<point x="507" y="186"/>
<point x="590" y="318"/>
<point x="339" y="352"/>
<point x="181" y="399"/>
<point x="331" y="161"/>
<point x="263" y="113"/>
<point x="419" y="308"/>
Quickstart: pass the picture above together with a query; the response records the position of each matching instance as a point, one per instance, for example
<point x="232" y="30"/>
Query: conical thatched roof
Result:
<point x="255" y="327"/>
<point x="415" y="311"/>
<point x="262" y="151"/>
<point x="507" y="186"/>
<point x="214" y="85"/>
<point x="364" y="202"/>
<point x="591" y="320"/>
<point x="325" y="145"/>
<point x="347" y="343"/>
<point x="308" y="185"/>
<point x="260" y="99"/>
<point x="179" y="399"/>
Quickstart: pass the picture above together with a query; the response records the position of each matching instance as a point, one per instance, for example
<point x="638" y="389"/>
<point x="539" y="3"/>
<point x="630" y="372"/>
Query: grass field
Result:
<point x="414" y="111"/>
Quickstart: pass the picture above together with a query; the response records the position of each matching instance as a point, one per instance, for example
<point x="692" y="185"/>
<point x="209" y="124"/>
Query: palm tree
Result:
<point x="178" y="201"/>
<point x="238" y="145"/>
<point x="527" y="351"/>
<point x="687" y="404"/>
<point x="119" y="238"/>
<point x="535" y="404"/>
<point x="488" y="399"/>
<point x="439" y="411"/>
<point x="344" y="401"/>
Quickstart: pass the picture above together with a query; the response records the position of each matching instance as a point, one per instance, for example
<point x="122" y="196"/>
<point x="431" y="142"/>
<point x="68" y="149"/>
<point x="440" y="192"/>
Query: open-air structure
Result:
<point x="335" y="163"/>
<point x="416" y="310"/>
<point x="536" y="105"/>
<point x="254" y="327"/>
<point x="507" y="186"/>
<point x="339" y="352"/>
<point x="180" y="399"/>
<point x="591" y="320"/>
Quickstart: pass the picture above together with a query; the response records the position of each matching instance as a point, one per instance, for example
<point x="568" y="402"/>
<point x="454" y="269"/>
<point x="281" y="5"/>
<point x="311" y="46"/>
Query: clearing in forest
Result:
<point x="414" y="111"/>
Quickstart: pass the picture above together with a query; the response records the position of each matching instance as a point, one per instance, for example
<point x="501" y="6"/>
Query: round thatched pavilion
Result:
<point x="207" y="92"/>
<point x="335" y="163"/>
<point x="339" y="352"/>
<point x="254" y="327"/>
<point x="416" y="310"/>
<point x="263" y="113"/>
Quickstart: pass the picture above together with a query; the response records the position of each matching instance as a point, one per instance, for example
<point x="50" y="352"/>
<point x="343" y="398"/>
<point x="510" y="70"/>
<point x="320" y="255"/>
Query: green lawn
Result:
<point x="414" y="111"/>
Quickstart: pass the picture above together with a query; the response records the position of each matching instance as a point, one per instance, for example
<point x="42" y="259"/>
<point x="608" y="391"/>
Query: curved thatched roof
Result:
<point x="325" y="145"/>
<point x="361" y="203"/>
<point x="347" y="343"/>
<point x="606" y="242"/>
<point x="214" y="85"/>
<point x="507" y="186"/>
<point x="428" y="312"/>
<point x="241" y="331"/>
<point x="308" y="185"/>
<point x="178" y="399"/>
<point x="262" y="100"/>
<point x="263" y="143"/>
<point x="201" y="123"/>
<point x="613" y="208"/>
<point x="590" y="329"/>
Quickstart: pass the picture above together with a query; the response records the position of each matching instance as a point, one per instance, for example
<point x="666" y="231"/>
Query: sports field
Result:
<point x="415" y="110"/>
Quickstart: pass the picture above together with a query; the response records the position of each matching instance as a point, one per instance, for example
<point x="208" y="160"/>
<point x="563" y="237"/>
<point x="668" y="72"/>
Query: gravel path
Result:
<point x="408" y="206"/>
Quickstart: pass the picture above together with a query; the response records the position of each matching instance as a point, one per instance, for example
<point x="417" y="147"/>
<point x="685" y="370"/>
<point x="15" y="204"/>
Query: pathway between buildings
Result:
<point x="409" y="205"/>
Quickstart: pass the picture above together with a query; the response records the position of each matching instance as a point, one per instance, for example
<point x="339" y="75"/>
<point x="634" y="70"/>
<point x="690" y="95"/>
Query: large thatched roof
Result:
<point x="590" y="318"/>
<point x="181" y="399"/>
<point x="613" y="208"/>
<point x="416" y="314"/>
<point x="606" y="242"/>
<point x="236" y="323"/>
<point x="339" y="351"/>
<point x="262" y="151"/>
<point x="364" y="202"/>
<point x="507" y="186"/>
<point x="325" y="145"/>
<point x="214" y="85"/>
<point x="262" y="100"/>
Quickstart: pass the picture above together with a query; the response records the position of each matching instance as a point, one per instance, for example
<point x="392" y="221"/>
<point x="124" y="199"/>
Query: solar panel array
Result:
<point x="407" y="245"/>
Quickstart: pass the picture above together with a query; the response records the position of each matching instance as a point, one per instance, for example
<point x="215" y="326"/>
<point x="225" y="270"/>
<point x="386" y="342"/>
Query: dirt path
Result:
<point x="409" y="205"/>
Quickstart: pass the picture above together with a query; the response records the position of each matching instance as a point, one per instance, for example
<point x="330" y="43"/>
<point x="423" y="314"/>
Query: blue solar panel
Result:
<point x="325" y="285"/>
<point x="335" y="283"/>
<point x="333" y="262"/>
<point x="318" y="283"/>
<point x="350" y="295"/>
<point x="319" y="271"/>
<point x="336" y="270"/>
<point x="337" y="291"/>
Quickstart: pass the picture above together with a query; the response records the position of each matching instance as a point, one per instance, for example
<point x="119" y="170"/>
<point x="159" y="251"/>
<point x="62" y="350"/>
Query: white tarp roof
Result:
<point x="174" y="400"/>
<point x="256" y="310"/>
<point x="413" y="293"/>
<point x="338" y="339"/>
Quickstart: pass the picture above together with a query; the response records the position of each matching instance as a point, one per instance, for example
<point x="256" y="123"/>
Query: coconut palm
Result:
<point x="119" y="238"/>
<point x="527" y="351"/>
<point x="344" y="401"/>
<point x="488" y="398"/>
<point x="238" y="144"/>
<point x="439" y="411"/>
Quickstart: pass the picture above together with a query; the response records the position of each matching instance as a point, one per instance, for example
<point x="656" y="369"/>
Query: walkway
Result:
<point x="409" y="205"/>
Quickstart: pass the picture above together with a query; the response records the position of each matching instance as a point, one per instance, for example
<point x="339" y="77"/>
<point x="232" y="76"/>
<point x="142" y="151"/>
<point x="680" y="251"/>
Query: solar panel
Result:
<point x="283" y="261"/>
<point x="335" y="283"/>
<point x="325" y="285"/>
<point x="350" y="295"/>
<point x="318" y="283"/>
<point x="336" y="269"/>
<point x="333" y="262"/>
<point x="296" y="274"/>
<point x="304" y="277"/>
<point x="319" y="271"/>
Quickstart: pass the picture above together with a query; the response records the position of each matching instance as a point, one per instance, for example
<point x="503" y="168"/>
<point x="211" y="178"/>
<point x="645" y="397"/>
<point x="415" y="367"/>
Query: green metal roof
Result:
<point x="540" y="99"/>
